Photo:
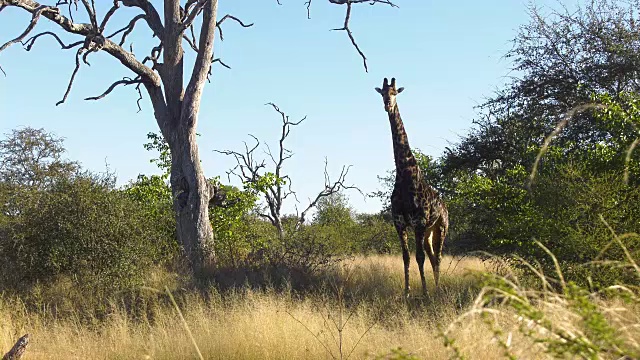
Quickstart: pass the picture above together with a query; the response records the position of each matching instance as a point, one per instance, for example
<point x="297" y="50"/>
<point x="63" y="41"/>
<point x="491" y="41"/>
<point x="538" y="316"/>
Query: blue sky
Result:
<point x="447" y="55"/>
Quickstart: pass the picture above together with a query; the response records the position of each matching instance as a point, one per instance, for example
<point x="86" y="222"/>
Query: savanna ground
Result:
<point x="270" y="324"/>
<point x="356" y="311"/>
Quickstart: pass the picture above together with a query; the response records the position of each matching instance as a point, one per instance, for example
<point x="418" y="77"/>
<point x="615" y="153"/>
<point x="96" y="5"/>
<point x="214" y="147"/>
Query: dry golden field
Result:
<point x="358" y="314"/>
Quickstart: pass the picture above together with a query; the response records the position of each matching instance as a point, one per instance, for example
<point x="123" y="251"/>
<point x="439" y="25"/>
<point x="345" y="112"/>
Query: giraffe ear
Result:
<point x="400" y="90"/>
<point x="379" y="90"/>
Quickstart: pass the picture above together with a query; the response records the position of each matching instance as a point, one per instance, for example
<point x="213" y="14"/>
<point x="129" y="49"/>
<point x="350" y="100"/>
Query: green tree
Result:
<point x="560" y="61"/>
<point x="33" y="158"/>
<point x="334" y="210"/>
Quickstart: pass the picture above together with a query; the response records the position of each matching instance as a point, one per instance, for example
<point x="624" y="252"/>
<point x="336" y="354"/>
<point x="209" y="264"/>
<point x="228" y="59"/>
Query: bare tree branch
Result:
<point x="353" y="40"/>
<point x="139" y="96"/>
<point x="347" y="17"/>
<point x="250" y="171"/>
<point x="31" y="41"/>
<point x="108" y="16"/>
<point x="308" y="3"/>
<point x="151" y="15"/>
<point x="191" y="43"/>
<point x="34" y="20"/>
<point x="127" y="29"/>
<point x="124" y="81"/>
<point x="73" y="76"/>
<point x="190" y="16"/>
<point x="128" y="60"/>
<point x="53" y="14"/>
<point x="93" y="41"/>
<point x="204" y="59"/>
<point x="70" y="3"/>
<point x="329" y="189"/>
<point x="155" y="54"/>
<point x="91" y="11"/>
<point x="232" y="18"/>
<point x="217" y="60"/>
<point x="188" y="8"/>
<point x="371" y="2"/>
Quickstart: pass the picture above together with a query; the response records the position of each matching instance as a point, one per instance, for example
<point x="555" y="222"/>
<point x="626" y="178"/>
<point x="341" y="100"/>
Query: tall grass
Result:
<point x="253" y="324"/>
<point x="357" y="311"/>
<point x="557" y="318"/>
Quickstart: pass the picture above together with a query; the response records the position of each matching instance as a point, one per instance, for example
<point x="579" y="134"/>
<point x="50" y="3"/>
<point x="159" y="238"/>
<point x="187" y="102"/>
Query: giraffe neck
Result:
<point x="401" y="150"/>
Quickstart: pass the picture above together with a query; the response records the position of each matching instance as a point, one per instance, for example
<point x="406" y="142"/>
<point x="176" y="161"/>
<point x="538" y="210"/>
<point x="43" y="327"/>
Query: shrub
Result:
<point x="82" y="228"/>
<point x="562" y="210"/>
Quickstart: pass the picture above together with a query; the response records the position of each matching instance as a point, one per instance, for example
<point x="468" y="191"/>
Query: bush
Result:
<point x="82" y="228"/>
<point x="153" y="196"/>
<point x="562" y="210"/>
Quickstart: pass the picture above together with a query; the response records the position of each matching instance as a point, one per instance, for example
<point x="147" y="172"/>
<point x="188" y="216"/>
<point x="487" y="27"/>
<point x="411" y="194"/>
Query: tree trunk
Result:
<point x="191" y="194"/>
<point x="278" y="224"/>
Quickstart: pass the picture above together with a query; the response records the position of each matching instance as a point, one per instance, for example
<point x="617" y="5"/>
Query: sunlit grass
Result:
<point x="357" y="311"/>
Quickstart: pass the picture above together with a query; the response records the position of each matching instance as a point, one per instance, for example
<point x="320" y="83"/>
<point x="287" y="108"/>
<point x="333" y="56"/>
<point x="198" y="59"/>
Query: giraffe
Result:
<point x="414" y="203"/>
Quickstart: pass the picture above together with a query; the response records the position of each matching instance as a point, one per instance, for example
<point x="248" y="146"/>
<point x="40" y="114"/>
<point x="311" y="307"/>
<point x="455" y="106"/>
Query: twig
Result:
<point x="116" y="6"/>
<point x="353" y="40"/>
<point x="312" y="333"/>
<point x="32" y="40"/>
<point x="73" y="75"/>
<point x="127" y="29"/>
<point x="91" y="11"/>
<point x="219" y="23"/>
<point x="308" y="3"/>
<point x="347" y="17"/>
<point x="34" y="20"/>
<point x="217" y="60"/>
<point x="124" y="81"/>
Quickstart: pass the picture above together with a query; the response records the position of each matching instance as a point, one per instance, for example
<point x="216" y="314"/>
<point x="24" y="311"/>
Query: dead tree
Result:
<point x="18" y="349"/>
<point x="175" y="98"/>
<point x="274" y="185"/>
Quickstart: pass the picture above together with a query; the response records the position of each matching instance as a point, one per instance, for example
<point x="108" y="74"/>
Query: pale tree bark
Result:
<point x="162" y="74"/>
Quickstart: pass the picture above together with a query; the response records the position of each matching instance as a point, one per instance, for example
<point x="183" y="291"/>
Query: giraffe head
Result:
<point x="389" y="93"/>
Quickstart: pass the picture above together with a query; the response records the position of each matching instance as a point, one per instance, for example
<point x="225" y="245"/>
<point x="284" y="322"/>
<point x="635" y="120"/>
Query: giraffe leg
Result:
<point x="400" y="222"/>
<point x="420" y="257"/>
<point x="434" y="249"/>
<point x="402" y="234"/>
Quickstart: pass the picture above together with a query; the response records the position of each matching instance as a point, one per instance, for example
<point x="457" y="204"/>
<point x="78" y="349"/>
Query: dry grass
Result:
<point x="362" y="298"/>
